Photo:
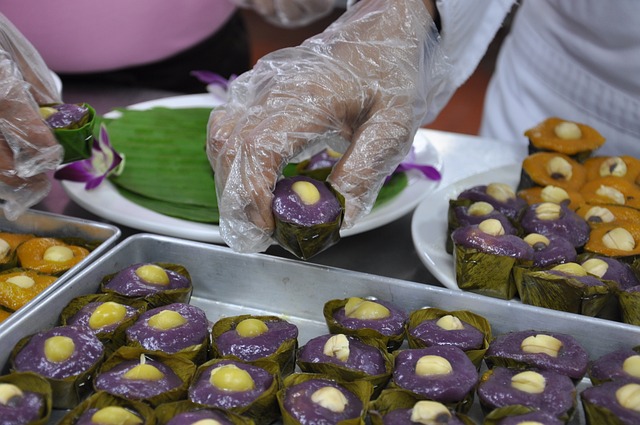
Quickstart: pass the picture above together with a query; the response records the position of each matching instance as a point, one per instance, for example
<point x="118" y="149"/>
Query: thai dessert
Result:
<point x="65" y="355"/>
<point x="554" y="194"/>
<point x="544" y="390"/>
<point x="175" y="328"/>
<point x="611" y="190"/>
<point x="618" y="239"/>
<point x="595" y="215"/>
<point x="551" y="169"/>
<point x="72" y="124"/>
<point x="367" y="318"/>
<point x="611" y="269"/>
<point x="622" y="364"/>
<point x="629" y="301"/>
<point x="484" y="256"/>
<point x="521" y="415"/>
<point x="571" y="138"/>
<point x="438" y="373"/>
<point x="613" y="402"/>
<point x="8" y="244"/>
<point x="25" y="398"/>
<point x="499" y="195"/>
<point x="319" y="165"/>
<point x="551" y="351"/>
<point x="623" y="166"/>
<point x="102" y="408"/>
<point x="548" y="218"/>
<point x="250" y="338"/>
<point x="307" y="215"/>
<point x="550" y="250"/>
<point x="185" y="412"/>
<point x="18" y="287"/>
<point x="49" y="255"/>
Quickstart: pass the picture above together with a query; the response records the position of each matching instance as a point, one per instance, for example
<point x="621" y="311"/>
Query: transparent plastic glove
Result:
<point x="28" y="148"/>
<point x="368" y="81"/>
<point x="289" y="13"/>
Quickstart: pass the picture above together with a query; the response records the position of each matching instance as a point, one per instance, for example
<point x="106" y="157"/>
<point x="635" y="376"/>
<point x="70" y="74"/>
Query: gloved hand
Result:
<point x="289" y="13"/>
<point x="363" y="87"/>
<point x="28" y="148"/>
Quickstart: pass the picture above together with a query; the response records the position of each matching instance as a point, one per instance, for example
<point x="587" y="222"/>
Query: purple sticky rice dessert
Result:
<point x="259" y="346"/>
<point x="298" y="402"/>
<point x="128" y="282"/>
<point x="84" y="351"/>
<point x="430" y="334"/>
<point x="534" y="417"/>
<point x="607" y="403"/>
<point x="21" y="409"/>
<point x="190" y="418"/>
<point x="499" y="387"/>
<point x="389" y="325"/>
<point x="536" y="349"/>
<point x="360" y="356"/>
<point x="472" y="237"/>
<point x="553" y="219"/>
<point x="550" y="249"/>
<point x="613" y="270"/>
<point x="619" y="364"/>
<point x="500" y="196"/>
<point x="464" y="218"/>
<point x="84" y="317"/>
<point x="205" y="392"/>
<point x="171" y="328"/>
<point x="86" y="418"/>
<point x="439" y="373"/>
<point x="121" y="380"/>
<point x="326" y="158"/>
<point x="66" y="115"/>
<point x="403" y="416"/>
<point x="288" y="206"/>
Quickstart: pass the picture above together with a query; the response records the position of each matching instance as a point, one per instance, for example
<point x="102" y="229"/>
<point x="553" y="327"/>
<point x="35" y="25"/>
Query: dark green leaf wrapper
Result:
<point x="77" y="142"/>
<point x="100" y="400"/>
<point x="485" y="274"/>
<point x="165" y="412"/>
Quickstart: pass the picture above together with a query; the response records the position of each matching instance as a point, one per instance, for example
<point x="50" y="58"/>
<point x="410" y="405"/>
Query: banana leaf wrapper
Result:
<point x="497" y="415"/>
<point x="116" y="338"/>
<point x="600" y="415"/>
<point x="284" y="356"/>
<point x="66" y="392"/>
<point x="102" y="399"/>
<point x="161" y="298"/>
<point x="564" y="293"/>
<point x="418" y="316"/>
<point x="452" y="221"/>
<point x="184" y="368"/>
<point x="485" y="274"/>
<point x="348" y="375"/>
<point x="165" y="412"/>
<point x="393" y="399"/>
<point x="392" y="342"/>
<point x="264" y="409"/>
<point x="77" y="141"/>
<point x="29" y="381"/>
<point x="629" y="302"/>
<point x="362" y="389"/>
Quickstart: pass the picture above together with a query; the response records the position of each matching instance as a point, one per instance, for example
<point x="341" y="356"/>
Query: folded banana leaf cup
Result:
<point x="629" y="302"/>
<point x="168" y="411"/>
<point x="523" y="413"/>
<point x="32" y="382"/>
<point x="102" y="400"/>
<point x="75" y="136"/>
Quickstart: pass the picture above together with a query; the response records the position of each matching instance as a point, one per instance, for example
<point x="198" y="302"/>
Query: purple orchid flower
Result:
<point x="104" y="161"/>
<point x="428" y="171"/>
<point x="216" y="84"/>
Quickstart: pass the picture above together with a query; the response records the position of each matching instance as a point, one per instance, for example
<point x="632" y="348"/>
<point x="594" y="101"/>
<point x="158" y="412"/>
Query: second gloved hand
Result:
<point x="368" y="81"/>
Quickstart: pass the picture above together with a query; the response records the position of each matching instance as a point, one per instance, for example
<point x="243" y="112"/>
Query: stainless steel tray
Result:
<point x="227" y="283"/>
<point x="59" y="226"/>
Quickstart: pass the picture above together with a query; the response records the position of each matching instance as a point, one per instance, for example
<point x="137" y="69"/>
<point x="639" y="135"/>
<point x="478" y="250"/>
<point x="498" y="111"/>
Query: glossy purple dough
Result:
<point x="298" y="403"/>
<point x="393" y="325"/>
<point x="88" y="350"/>
<point x="468" y="338"/>
<point x="510" y="208"/>
<point x="322" y="159"/>
<point x="558" y="397"/>
<point x="362" y="357"/>
<point x="68" y="114"/>
<point x="449" y="388"/>
<point x="257" y="347"/>
<point x="193" y="332"/>
<point x="604" y="396"/>
<point x="572" y="359"/>
<point x="569" y="225"/>
<point x="289" y="208"/>
<point x="620" y="273"/>
<point x="114" y="382"/>
<point x="531" y="417"/>
<point x="128" y="283"/>
<point x="466" y="219"/>
<point x="81" y="318"/>
<point x="22" y="410"/>
<point x="86" y="417"/>
<point x="559" y="251"/>
<point x="189" y="418"/>
<point x="202" y="391"/>
<point x="504" y="245"/>
<point x="403" y="417"/>
<point x="609" y="367"/>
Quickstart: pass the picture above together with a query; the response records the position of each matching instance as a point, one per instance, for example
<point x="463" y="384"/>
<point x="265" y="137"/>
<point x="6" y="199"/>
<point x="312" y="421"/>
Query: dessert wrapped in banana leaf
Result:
<point x="624" y="166"/>
<point x="25" y="399"/>
<point x="107" y="316"/>
<point x="439" y="373"/>
<point x="520" y="415"/>
<point x="613" y="403"/>
<point x="611" y="190"/>
<point x="484" y="257"/>
<point x="618" y="239"/>
<point x="543" y="390"/>
<point x="500" y="195"/>
<point x="367" y="318"/>
<point x="247" y="389"/>
<point x="66" y="356"/>
<point x="151" y="377"/>
<point x="548" y="251"/>
<point x="8" y="244"/>
<point x="612" y="270"/>
<point x="629" y="301"/>
<point x="622" y="364"/>
<point x="102" y="408"/>
<point x="348" y="358"/>
<point x="399" y="407"/>
<point x="250" y="338"/>
<point x="186" y="412"/>
<point x="557" y="195"/>
<point x="319" y="166"/>
<point x="566" y="287"/>
<point x="571" y="138"/>
<point x="551" y="169"/>
<point x="552" y="351"/>
<point x="158" y="283"/>
<point x="50" y="255"/>
<point x="310" y="398"/>
<point x="19" y="286"/>
<point x="548" y="218"/>
<point x="307" y="215"/>
<point x="72" y="124"/>
<point x="468" y="331"/>
<point x="177" y="328"/>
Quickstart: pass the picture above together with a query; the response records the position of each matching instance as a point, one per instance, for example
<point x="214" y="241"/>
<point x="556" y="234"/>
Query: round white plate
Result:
<point x="106" y="202"/>
<point x="429" y="222"/>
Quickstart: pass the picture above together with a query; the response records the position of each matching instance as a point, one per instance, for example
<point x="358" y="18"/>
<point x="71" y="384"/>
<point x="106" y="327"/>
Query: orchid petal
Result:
<point x="211" y="78"/>
<point x="428" y="171"/>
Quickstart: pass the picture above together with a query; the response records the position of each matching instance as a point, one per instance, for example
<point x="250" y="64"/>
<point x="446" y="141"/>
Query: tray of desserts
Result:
<point x="160" y="327"/>
<point x="40" y="252"/>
